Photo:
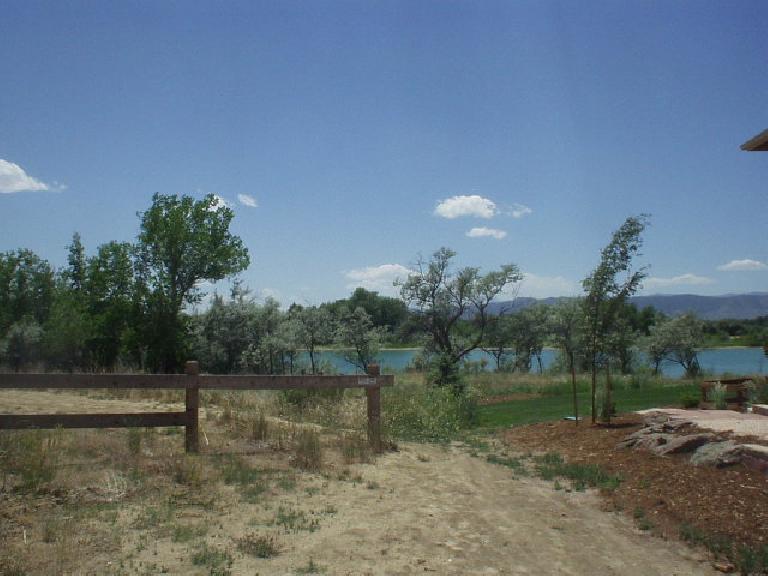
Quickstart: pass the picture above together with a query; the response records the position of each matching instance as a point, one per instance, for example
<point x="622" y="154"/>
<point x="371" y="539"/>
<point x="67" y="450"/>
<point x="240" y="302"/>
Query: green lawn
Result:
<point x="556" y="407"/>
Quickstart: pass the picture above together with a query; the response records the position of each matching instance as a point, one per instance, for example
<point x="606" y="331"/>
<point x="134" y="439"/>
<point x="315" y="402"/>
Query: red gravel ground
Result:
<point x="668" y="492"/>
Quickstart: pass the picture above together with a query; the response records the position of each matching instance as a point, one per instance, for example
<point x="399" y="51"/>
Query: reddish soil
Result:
<point x="667" y="491"/>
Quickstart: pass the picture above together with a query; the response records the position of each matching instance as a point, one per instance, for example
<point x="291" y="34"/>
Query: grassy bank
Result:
<point x="556" y="406"/>
<point x="416" y="411"/>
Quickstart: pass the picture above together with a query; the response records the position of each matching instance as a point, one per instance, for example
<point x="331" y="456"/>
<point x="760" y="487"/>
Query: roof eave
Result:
<point x="757" y="144"/>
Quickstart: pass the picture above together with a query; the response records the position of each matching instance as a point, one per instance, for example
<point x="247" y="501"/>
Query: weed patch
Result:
<point x="308" y="453"/>
<point x="258" y="546"/>
<point x="551" y="466"/>
<point x="294" y="521"/>
<point x="515" y="464"/>
<point x="217" y="561"/>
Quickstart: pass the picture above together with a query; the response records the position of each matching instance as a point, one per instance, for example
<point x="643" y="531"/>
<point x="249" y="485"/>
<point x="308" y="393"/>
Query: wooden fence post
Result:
<point x="192" y="370"/>
<point x="374" y="410"/>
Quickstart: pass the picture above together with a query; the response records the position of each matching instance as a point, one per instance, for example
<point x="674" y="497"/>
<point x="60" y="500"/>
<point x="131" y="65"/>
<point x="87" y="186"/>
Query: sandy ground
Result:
<point x="45" y="402"/>
<point x="720" y="420"/>
<point x="422" y="509"/>
<point x="455" y="514"/>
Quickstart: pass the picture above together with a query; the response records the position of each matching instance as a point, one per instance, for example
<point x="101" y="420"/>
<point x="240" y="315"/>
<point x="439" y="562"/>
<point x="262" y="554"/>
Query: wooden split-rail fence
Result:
<point x="192" y="382"/>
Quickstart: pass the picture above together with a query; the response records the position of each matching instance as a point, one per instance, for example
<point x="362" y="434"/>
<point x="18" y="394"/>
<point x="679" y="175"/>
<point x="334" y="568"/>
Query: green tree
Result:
<point x="312" y="327"/>
<point x="26" y="288"/>
<point x="182" y="243"/>
<point x="566" y="324"/>
<point x="442" y="299"/>
<point x="21" y="344"/>
<point x="677" y="340"/>
<point x="109" y="292"/>
<point x="75" y="273"/>
<point x="606" y="293"/>
<point x="67" y="332"/>
<point x="528" y="331"/>
<point x="498" y="339"/>
<point x="359" y="338"/>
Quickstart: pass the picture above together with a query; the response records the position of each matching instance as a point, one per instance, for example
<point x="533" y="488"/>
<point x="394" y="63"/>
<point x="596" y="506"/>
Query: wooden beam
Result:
<point x="42" y="381"/>
<point x="279" y="382"/>
<point x="192" y="438"/>
<point x="373" y="394"/>
<point x="141" y="420"/>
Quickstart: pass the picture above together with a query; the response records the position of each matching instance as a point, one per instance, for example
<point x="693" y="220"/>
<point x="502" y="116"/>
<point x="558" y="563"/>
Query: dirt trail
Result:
<point x="425" y="509"/>
<point x="455" y="514"/>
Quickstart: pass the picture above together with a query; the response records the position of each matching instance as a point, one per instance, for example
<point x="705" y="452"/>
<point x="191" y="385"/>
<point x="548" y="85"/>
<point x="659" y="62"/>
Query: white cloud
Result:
<point x="472" y="205"/>
<point x="745" y="265"/>
<point x="378" y="278"/>
<point x="483" y="231"/>
<point x="247" y="200"/>
<point x="682" y="280"/>
<point x="536" y="286"/>
<point x="519" y="210"/>
<point x="13" y="179"/>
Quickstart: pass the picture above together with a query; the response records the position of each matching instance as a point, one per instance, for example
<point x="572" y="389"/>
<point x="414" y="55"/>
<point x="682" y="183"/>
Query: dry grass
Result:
<point x="75" y="501"/>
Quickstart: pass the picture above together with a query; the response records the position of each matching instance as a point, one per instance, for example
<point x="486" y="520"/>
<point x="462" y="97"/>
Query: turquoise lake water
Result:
<point x="713" y="360"/>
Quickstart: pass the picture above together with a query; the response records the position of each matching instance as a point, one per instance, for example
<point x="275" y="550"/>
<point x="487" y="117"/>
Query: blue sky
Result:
<point x="366" y="133"/>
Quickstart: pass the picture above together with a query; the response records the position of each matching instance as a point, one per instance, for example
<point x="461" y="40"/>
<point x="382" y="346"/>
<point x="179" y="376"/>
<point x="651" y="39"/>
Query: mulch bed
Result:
<point x="730" y="502"/>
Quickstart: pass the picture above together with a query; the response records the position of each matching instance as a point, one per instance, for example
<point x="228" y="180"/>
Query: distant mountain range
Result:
<point x="729" y="306"/>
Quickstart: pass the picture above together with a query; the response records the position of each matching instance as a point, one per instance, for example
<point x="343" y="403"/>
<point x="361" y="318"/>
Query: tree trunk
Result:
<point x="608" y="404"/>
<point x="594" y="390"/>
<point x="573" y="385"/>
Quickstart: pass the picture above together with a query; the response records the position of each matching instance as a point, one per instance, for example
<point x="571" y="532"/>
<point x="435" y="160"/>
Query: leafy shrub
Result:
<point x="689" y="399"/>
<point x="419" y="412"/>
<point x="717" y="394"/>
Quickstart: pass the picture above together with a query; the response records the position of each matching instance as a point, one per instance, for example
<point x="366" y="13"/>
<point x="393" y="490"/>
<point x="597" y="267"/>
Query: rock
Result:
<point x="714" y="454"/>
<point x="675" y="425"/>
<point x="724" y="566"/>
<point x="761" y="409"/>
<point x="755" y="456"/>
<point x="646" y="440"/>
<point x="655" y="418"/>
<point x="729" y="453"/>
<point x="679" y="444"/>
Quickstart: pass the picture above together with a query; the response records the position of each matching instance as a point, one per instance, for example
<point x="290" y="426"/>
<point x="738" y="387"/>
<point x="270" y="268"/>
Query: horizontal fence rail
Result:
<point x="191" y="382"/>
<point x="181" y="381"/>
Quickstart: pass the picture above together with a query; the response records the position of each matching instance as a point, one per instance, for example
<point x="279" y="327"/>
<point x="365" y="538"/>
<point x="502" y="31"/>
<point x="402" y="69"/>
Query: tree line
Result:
<point x="128" y="305"/>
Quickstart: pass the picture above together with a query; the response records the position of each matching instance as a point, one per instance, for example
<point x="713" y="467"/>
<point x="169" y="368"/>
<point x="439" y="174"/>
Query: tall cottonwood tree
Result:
<point x="182" y="242"/>
<point x="607" y="289"/>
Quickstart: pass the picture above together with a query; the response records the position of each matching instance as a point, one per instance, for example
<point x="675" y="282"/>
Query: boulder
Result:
<point x="645" y="439"/>
<point x="755" y="456"/>
<point x="678" y="444"/>
<point x="729" y="453"/>
<point x="715" y="454"/>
